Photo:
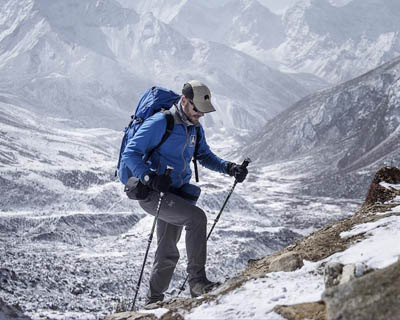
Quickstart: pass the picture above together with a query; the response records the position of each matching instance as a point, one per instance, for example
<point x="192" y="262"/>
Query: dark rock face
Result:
<point x="376" y="192"/>
<point x="371" y="297"/>
<point x="11" y="312"/>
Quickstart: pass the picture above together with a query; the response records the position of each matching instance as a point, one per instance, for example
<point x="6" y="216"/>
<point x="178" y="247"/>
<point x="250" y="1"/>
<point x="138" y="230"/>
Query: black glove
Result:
<point x="237" y="171"/>
<point x="160" y="183"/>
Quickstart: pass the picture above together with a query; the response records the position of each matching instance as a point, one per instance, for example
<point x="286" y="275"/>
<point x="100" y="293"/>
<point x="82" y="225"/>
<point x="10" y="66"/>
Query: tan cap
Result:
<point x="200" y="95"/>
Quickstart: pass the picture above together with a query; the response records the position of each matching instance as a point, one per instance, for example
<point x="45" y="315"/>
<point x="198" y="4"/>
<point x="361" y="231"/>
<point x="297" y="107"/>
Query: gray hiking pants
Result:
<point x="176" y="213"/>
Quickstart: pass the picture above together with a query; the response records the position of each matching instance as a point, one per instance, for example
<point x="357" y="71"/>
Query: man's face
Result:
<point x="190" y="111"/>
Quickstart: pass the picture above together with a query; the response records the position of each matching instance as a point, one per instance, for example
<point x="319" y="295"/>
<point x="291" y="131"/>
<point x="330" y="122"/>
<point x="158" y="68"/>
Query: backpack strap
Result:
<point x="196" y="150"/>
<point x="170" y="126"/>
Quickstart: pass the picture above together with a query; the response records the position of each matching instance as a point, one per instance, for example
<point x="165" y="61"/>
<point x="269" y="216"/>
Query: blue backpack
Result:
<point x="153" y="100"/>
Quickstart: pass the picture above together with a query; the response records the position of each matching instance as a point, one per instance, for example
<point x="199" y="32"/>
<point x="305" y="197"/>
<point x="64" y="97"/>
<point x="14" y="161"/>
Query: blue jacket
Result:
<point x="177" y="151"/>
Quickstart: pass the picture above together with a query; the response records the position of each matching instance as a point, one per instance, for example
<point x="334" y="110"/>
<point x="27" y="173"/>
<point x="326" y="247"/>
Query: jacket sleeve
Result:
<point x="207" y="158"/>
<point x="147" y="137"/>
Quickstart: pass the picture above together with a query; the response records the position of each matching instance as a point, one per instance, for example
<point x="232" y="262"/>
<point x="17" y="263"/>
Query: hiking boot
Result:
<point x="153" y="303"/>
<point x="202" y="286"/>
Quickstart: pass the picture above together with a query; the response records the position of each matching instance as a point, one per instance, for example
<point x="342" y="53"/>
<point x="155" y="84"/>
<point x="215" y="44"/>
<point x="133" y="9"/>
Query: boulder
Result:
<point x="332" y="274"/>
<point x="377" y="193"/>
<point x="302" y="311"/>
<point x="289" y="261"/>
<point x="373" y="296"/>
<point x="348" y="273"/>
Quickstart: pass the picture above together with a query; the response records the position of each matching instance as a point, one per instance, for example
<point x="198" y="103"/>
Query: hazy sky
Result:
<point x="279" y="6"/>
<point x="276" y="6"/>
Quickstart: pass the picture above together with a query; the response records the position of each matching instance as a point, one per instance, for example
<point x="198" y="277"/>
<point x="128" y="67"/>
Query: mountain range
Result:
<point x="349" y="129"/>
<point x="89" y="62"/>
<point x="336" y="41"/>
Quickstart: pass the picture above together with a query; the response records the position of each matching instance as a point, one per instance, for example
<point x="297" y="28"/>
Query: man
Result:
<point x="178" y="206"/>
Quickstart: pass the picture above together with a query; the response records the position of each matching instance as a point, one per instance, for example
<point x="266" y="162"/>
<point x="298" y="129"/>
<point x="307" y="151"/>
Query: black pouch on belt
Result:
<point x="136" y="190"/>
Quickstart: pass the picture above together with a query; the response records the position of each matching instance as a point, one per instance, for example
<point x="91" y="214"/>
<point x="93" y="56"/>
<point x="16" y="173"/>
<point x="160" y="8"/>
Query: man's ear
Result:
<point x="184" y="100"/>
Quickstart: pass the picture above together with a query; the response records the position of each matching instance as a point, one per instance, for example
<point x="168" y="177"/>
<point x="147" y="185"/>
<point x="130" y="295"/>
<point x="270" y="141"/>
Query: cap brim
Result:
<point x="204" y="106"/>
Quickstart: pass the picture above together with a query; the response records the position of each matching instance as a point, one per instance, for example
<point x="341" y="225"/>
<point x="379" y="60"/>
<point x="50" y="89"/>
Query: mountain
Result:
<point x="333" y="40"/>
<point x="340" y="43"/>
<point x="350" y="128"/>
<point x="238" y="24"/>
<point x="55" y="60"/>
<point x="88" y="62"/>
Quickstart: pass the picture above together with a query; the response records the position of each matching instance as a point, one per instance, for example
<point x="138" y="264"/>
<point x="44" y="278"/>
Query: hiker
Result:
<point x="178" y="207"/>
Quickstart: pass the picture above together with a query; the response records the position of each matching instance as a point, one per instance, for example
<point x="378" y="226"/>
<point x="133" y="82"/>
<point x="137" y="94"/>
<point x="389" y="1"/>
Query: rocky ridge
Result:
<point x="350" y="289"/>
<point x="341" y="135"/>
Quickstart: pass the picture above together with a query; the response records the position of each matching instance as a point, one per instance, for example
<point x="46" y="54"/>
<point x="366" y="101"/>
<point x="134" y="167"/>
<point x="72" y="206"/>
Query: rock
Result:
<point x="379" y="194"/>
<point x="77" y="290"/>
<point x="336" y="273"/>
<point x="361" y="269"/>
<point x="370" y="297"/>
<point x="131" y="316"/>
<point x="348" y="273"/>
<point x="289" y="261"/>
<point x="302" y="311"/>
<point x="332" y="274"/>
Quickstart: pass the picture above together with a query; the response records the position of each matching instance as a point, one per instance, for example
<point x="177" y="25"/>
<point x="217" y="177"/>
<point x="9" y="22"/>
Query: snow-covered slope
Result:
<point x="306" y="285"/>
<point x="46" y="166"/>
<point x="333" y="273"/>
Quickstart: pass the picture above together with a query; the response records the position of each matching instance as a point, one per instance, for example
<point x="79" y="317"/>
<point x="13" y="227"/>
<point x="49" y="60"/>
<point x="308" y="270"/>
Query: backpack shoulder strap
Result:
<point x="198" y="137"/>
<point x="170" y="126"/>
<point x="196" y="150"/>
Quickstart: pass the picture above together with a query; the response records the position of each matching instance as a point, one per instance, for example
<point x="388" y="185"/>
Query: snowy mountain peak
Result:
<point x="339" y="43"/>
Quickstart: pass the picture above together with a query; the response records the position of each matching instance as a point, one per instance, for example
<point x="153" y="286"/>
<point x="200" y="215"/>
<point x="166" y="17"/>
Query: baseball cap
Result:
<point x="200" y="95"/>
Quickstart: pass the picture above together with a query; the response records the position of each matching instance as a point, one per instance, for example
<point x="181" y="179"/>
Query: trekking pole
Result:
<point x="244" y="165"/>
<point x="167" y="172"/>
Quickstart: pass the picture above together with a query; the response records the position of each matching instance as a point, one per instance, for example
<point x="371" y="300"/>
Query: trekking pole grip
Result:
<point x="245" y="163"/>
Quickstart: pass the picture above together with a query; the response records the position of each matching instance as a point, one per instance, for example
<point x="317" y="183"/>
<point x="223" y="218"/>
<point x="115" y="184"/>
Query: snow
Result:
<point x="157" y="312"/>
<point x="275" y="288"/>
<point x="380" y="237"/>
<point x="305" y="284"/>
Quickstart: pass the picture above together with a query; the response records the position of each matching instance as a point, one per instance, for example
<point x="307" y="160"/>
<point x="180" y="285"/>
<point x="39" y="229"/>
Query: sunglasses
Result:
<point x="194" y="107"/>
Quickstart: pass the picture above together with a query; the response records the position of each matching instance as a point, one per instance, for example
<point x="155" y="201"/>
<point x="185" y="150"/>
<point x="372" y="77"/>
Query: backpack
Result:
<point x="153" y="100"/>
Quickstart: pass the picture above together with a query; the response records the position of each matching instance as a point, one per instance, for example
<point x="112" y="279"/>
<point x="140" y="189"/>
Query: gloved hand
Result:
<point x="237" y="171"/>
<point x="160" y="183"/>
